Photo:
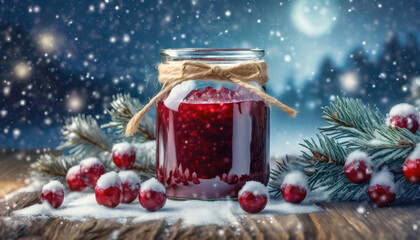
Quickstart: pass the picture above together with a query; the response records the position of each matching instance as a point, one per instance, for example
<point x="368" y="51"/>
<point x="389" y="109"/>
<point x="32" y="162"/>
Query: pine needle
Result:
<point x="123" y="108"/>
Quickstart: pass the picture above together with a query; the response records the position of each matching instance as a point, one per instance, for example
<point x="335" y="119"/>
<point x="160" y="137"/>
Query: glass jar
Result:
<point x="212" y="136"/>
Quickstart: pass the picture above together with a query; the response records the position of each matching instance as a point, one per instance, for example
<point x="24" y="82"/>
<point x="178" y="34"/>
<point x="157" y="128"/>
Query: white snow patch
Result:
<point x="73" y="171"/>
<point x="54" y="186"/>
<point x="358" y="155"/>
<point x="178" y="93"/>
<point x="153" y="184"/>
<point x="130" y="177"/>
<point x="403" y="110"/>
<point x="124" y="148"/>
<point x="255" y="187"/>
<point x="83" y="205"/>
<point x="416" y="153"/>
<point x="296" y="178"/>
<point x="110" y="179"/>
<point x="90" y="162"/>
<point x="385" y="178"/>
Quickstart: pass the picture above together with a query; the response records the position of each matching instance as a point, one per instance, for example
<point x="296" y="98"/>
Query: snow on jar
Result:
<point x="212" y="122"/>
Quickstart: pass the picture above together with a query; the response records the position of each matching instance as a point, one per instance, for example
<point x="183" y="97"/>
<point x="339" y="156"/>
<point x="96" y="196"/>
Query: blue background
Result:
<point x="62" y="58"/>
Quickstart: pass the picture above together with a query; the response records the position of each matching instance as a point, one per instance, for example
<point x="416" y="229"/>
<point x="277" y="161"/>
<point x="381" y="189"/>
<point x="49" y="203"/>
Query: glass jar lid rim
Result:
<point x="208" y="53"/>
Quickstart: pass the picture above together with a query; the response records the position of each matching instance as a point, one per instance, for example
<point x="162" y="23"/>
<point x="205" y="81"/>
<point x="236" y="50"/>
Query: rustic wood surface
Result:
<point x="338" y="221"/>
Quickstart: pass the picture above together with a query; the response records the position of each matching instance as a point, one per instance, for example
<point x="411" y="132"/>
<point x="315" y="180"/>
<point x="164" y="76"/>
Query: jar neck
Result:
<point x="212" y="56"/>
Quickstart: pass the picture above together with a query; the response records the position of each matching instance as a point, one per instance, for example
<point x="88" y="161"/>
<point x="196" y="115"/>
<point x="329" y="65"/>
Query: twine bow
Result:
<point x="174" y="73"/>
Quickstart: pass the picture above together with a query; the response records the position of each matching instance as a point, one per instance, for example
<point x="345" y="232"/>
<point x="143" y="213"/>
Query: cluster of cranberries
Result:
<point x="358" y="167"/>
<point x="111" y="188"/>
<point x="78" y="178"/>
<point x="254" y="196"/>
<point x="408" y="118"/>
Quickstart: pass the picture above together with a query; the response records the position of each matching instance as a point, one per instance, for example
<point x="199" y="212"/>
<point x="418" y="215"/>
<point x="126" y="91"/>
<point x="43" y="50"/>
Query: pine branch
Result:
<point x="353" y="126"/>
<point x="48" y="166"/>
<point x="352" y="113"/>
<point x="83" y="136"/>
<point x="327" y="151"/>
<point x="350" y="118"/>
<point x="123" y="107"/>
<point x="366" y="129"/>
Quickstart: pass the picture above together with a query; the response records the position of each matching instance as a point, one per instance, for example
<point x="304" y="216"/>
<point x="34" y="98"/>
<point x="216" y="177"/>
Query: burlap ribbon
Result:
<point x="174" y="73"/>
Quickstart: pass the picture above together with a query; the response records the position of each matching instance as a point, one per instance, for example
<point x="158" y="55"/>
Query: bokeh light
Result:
<point x="47" y="42"/>
<point x="349" y="81"/>
<point x="22" y="70"/>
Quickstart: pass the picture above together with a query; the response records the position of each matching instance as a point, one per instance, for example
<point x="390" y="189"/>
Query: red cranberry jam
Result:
<point x="212" y="145"/>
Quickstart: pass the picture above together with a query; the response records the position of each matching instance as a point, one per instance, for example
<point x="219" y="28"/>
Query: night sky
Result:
<point x="75" y="54"/>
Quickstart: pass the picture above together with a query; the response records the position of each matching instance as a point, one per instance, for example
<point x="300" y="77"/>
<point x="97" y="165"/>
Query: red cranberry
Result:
<point x="152" y="196"/>
<point x="108" y="191"/>
<point x="358" y="167"/>
<point x="382" y="188"/>
<point x="404" y="116"/>
<point x="294" y="187"/>
<point x="130" y="186"/>
<point x="293" y="193"/>
<point x="124" y="155"/>
<point x="74" y="179"/>
<point x="253" y="197"/>
<point x="90" y="171"/>
<point x="381" y="195"/>
<point x="411" y="167"/>
<point x="53" y="193"/>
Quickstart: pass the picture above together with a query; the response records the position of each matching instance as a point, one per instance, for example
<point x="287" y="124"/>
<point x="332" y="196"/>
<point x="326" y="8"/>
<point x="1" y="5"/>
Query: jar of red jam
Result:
<point x="212" y="136"/>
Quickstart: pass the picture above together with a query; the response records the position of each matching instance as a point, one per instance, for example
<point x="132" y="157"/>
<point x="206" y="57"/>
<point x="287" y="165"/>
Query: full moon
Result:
<point x="313" y="17"/>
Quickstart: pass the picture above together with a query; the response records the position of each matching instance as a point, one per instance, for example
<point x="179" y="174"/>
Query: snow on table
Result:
<point x="82" y="205"/>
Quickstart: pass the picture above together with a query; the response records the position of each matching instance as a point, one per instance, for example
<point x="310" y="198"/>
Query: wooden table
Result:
<point x="338" y="221"/>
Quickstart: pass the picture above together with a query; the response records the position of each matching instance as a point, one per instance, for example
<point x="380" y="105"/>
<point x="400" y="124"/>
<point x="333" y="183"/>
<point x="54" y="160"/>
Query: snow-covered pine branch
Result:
<point x="49" y="167"/>
<point x="353" y="126"/>
<point x="366" y="129"/>
<point x="83" y="137"/>
<point x="349" y="117"/>
<point x="123" y="107"/>
<point x="48" y="164"/>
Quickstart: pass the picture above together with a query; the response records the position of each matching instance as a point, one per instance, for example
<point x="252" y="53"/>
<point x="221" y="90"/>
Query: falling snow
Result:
<point x="67" y="58"/>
